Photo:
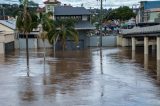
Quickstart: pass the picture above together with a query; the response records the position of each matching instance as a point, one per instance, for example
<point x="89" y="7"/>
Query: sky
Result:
<point x="89" y="3"/>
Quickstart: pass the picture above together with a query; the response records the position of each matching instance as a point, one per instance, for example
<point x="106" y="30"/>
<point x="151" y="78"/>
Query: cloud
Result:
<point x="91" y="3"/>
<point x="96" y="3"/>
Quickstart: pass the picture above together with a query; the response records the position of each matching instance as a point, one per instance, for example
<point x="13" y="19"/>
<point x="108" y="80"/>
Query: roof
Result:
<point x="142" y="30"/>
<point x="48" y="2"/>
<point x="84" y="25"/>
<point x="9" y="24"/>
<point x="151" y="4"/>
<point x="69" y="10"/>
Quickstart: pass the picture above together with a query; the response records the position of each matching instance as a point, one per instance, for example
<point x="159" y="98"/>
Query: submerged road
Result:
<point x="118" y="77"/>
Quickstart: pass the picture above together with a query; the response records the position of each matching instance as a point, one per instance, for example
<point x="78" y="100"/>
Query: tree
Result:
<point x="26" y="22"/>
<point x="46" y="26"/>
<point x="122" y="13"/>
<point x="64" y="30"/>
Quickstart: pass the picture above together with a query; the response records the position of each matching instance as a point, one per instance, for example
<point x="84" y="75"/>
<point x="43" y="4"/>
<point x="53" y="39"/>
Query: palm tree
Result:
<point x="46" y="26"/>
<point x="64" y="30"/>
<point x="26" y="22"/>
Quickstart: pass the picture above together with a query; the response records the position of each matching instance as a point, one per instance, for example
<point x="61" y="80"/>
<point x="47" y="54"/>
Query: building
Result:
<point x="10" y="40"/>
<point x="82" y="15"/>
<point x="50" y="4"/>
<point x="149" y="11"/>
<point x="7" y="35"/>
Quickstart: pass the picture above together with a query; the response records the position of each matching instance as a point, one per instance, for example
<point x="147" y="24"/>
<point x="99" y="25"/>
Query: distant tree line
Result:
<point x="122" y="13"/>
<point x="11" y="10"/>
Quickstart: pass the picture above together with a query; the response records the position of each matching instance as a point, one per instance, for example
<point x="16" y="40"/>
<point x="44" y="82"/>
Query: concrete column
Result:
<point x="133" y="55"/>
<point x="158" y="48"/>
<point x="158" y="70"/>
<point x="2" y="48"/>
<point x="118" y="41"/>
<point x="133" y="44"/>
<point x="16" y="43"/>
<point x="146" y="62"/>
<point x="124" y="42"/>
<point x="145" y="45"/>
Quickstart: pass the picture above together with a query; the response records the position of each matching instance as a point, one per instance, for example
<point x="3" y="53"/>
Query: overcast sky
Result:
<point x="90" y="3"/>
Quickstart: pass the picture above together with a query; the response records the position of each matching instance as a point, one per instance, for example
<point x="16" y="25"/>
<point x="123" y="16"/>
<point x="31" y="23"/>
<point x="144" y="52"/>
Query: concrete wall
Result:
<point x="83" y="38"/>
<point x="47" y="44"/>
<point x="32" y="43"/>
<point x="9" y="37"/>
<point x="106" y="41"/>
<point x="109" y="41"/>
<point x="6" y="38"/>
<point x="2" y="38"/>
<point x="2" y="49"/>
<point x="84" y="42"/>
<point x="6" y="42"/>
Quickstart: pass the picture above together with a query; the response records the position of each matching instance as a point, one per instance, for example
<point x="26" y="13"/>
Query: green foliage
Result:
<point x="47" y="26"/>
<point x="64" y="29"/>
<point x="122" y="13"/>
<point x="12" y="10"/>
<point x="32" y="4"/>
<point x="26" y="21"/>
<point x="47" y="23"/>
<point x="21" y="1"/>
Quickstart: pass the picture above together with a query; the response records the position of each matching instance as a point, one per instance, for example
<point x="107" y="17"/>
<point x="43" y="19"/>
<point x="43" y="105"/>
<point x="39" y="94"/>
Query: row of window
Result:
<point x="84" y="18"/>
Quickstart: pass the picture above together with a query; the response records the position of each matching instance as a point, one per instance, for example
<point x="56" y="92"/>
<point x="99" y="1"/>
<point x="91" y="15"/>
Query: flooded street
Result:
<point x="119" y="77"/>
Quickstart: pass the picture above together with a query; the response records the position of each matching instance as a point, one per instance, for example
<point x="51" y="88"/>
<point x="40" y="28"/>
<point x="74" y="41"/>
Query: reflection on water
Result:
<point x="158" y="70"/>
<point x="94" y="77"/>
<point x="146" y="62"/>
<point x="26" y="89"/>
<point x="133" y="55"/>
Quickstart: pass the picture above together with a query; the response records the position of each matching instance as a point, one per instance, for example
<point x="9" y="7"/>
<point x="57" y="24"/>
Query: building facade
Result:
<point x="80" y="14"/>
<point x="7" y="36"/>
<point x="149" y="11"/>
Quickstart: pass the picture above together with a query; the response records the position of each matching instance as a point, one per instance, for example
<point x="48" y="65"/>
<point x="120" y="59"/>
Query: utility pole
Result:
<point x="101" y="19"/>
<point x="101" y="23"/>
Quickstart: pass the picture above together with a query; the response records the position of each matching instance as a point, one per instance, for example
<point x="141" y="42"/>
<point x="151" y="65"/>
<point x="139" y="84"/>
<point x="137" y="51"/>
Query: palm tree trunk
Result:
<point x="55" y="41"/>
<point x="44" y="51"/>
<point x="54" y="47"/>
<point x="63" y="45"/>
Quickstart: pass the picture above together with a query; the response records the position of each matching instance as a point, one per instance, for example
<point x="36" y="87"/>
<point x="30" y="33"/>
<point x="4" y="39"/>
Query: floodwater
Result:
<point x="112" y="77"/>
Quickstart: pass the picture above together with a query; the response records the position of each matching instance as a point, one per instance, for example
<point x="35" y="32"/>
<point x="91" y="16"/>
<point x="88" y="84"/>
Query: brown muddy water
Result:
<point x="118" y="77"/>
